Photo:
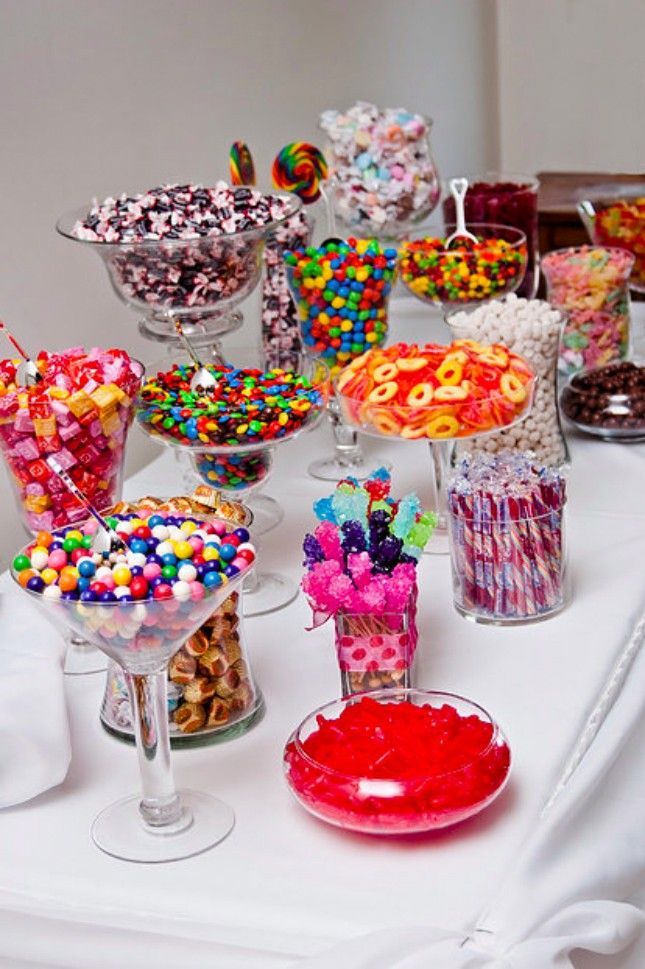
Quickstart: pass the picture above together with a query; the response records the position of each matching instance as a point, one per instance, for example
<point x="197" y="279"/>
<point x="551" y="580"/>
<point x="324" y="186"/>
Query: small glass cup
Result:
<point x="590" y="285"/>
<point x="508" y="564"/>
<point x="376" y="650"/>
<point x="509" y="199"/>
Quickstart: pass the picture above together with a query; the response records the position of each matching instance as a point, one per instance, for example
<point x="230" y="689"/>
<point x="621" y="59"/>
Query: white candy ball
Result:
<point x="187" y="573"/>
<point x="181" y="590"/>
<point x="164" y="548"/>
<point x="52" y="592"/>
<point x="160" y="532"/>
<point x="39" y="560"/>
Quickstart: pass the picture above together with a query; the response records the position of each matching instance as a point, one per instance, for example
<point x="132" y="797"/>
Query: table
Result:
<point x="284" y="885"/>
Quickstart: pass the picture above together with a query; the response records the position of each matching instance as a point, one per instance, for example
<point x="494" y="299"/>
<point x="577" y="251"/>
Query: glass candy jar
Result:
<point x="590" y="284"/>
<point x="532" y="329"/>
<point x="376" y="650"/>
<point x="212" y="695"/>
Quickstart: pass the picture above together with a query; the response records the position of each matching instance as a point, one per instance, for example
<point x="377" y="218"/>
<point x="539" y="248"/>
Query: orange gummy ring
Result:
<point x="383" y="392"/>
<point x="496" y="358"/>
<point x="385" y="423"/>
<point x="411" y="364"/>
<point x="412" y="431"/>
<point x="420" y="395"/>
<point x="450" y="372"/>
<point x="384" y="372"/>
<point x="450" y="393"/>
<point x="444" y="426"/>
<point x="512" y="388"/>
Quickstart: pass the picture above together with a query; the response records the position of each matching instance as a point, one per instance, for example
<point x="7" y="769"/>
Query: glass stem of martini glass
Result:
<point x="348" y="450"/>
<point x="160" y="807"/>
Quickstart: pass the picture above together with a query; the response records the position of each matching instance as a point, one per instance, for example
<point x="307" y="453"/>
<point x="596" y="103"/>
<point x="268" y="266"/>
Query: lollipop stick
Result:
<point x="326" y="190"/>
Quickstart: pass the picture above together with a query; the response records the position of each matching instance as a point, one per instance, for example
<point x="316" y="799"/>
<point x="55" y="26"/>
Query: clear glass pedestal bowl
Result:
<point x="197" y="283"/>
<point x="614" y="216"/>
<point x="459" y="279"/>
<point x="239" y="471"/>
<point x="441" y="425"/>
<point x="142" y="636"/>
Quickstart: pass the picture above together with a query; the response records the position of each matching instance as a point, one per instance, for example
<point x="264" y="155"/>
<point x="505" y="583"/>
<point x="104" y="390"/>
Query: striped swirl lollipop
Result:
<point x="241" y="164"/>
<point x="300" y="168"/>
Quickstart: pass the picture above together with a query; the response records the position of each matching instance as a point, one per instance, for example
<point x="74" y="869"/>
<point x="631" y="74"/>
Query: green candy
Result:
<point x="169" y="571"/>
<point x="20" y="563"/>
<point x="71" y="544"/>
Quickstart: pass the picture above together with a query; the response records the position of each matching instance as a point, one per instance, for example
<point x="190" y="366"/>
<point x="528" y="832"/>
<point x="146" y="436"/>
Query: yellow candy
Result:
<point x="188" y="527"/>
<point x="48" y="576"/>
<point x="121" y="575"/>
<point x="183" y="550"/>
<point x="75" y="534"/>
<point x="209" y="553"/>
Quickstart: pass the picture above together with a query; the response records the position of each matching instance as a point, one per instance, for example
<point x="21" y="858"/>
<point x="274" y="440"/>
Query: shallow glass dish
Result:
<point x="607" y="402"/>
<point x="411" y="802"/>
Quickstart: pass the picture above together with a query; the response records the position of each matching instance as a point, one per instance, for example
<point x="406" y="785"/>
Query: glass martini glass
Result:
<point x="441" y="424"/>
<point x="142" y="636"/>
<point x="238" y="470"/>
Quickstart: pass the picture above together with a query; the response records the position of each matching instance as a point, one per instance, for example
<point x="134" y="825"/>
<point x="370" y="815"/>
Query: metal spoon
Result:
<point x="458" y="188"/>
<point x="202" y="379"/>
<point x="106" y="539"/>
<point x="27" y="373"/>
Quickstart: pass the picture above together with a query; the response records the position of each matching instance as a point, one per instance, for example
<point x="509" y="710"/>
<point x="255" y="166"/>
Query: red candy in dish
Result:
<point x="397" y="762"/>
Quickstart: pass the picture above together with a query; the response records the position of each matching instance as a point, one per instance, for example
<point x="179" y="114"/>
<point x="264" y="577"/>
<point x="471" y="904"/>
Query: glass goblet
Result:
<point x="142" y="637"/>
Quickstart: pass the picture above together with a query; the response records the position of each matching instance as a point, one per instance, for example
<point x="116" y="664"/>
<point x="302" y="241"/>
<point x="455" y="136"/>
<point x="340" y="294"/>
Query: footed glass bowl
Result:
<point x="197" y="282"/>
<point x="459" y="277"/>
<point x="607" y="402"/>
<point x="402" y="789"/>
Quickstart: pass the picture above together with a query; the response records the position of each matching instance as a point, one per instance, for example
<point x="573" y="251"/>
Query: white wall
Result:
<point x="572" y="85"/>
<point x="97" y="96"/>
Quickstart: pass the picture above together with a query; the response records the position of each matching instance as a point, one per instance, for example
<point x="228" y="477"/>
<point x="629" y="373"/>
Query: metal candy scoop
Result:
<point x="27" y="373"/>
<point x="106" y="539"/>
<point x="202" y="379"/>
<point x="458" y="188"/>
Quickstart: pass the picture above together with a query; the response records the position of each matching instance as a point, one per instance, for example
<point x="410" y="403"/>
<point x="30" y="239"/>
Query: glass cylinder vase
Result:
<point x="376" y="650"/>
<point x="532" y="329"/>
<point x="212" y="695"/>
<point x="590" y="285"/>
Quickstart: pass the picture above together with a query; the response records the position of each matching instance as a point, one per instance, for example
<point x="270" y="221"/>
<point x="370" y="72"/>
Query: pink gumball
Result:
<point x="151" y="571"/>
<point x="57" y="559"/>
<point x="196" y="591"/>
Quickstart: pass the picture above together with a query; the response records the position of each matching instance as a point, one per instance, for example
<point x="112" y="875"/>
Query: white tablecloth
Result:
<point x="284" y="885"/>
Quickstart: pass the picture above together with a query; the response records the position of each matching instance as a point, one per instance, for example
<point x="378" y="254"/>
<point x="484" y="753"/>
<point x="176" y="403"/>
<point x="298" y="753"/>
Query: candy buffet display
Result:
<point x="231" y="431"/>
<point x="464" y="272"/>
<point x="361" y="566"/>
<point x="124" y="604"/>
<point x="531" y="328"/>
<point x="438" y="394"/>
<point x="505" y="199"/>
<point x="182" y="252"/>
<point x="385" y="179"/>
<point x="342" y="290"/>
<point x="507" y="538"/>
<point x="608" y="402"/>
<point x="619" y="221"/>
<point x="590" y="285"/>
<point x="397" y="761"/>
<point x="281" y="342"/>
<point x="78" y="411"/>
